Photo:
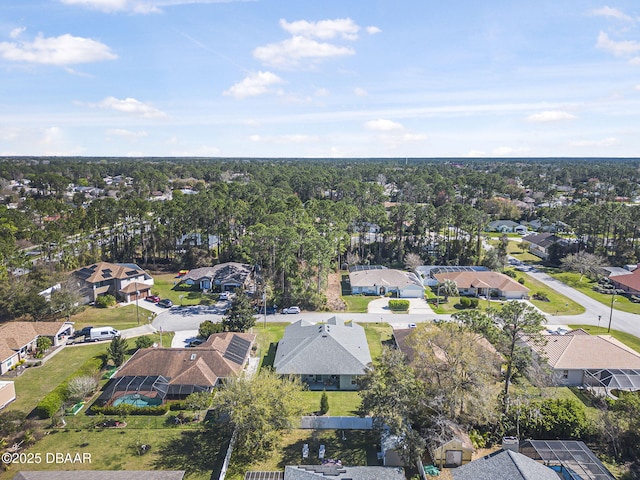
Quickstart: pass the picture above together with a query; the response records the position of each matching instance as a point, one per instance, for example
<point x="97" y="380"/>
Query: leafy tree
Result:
<point x="65" y="302"/>
<point x="117" y="350"/>
<point x="260" y="408"/>
<point x="81" y="387"/>
<point x="241" y="316"/>
<point x="208" y="328"/>
<point x="493" y="260"/>
<point x="324" y="403"/>
<point x="448" y="288"/>
<point x="516" y="319"/>
<point x="42" y="345"/>
<point x="552" y="418"/>
<point x="412" y="261"/>
<point x="145" y="341"/>
<point x="584" y="263"/>
<point x="198" y="401"/>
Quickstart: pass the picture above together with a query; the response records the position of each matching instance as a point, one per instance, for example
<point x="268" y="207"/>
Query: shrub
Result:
<point x="510" y="273"/>
<point x="104" y="301"/>
<point x="123" y="409"/>
<point x="144" y="342"/>
<point x="474" y="302"/>
<point x="51" y="403"/>
<point x="521" y="281"/>
<point x="399" y="305"/>
<point x="324" y="403"/>
<point x="465" y="302"/>
<point x="541" y="296"/>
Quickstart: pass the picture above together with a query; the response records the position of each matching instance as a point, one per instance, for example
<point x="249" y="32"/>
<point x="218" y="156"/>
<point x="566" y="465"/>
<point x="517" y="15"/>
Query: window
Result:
<point x="565" y="374"/>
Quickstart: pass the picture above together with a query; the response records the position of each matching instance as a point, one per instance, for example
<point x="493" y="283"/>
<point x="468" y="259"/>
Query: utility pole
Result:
<point x="613" y="296"/>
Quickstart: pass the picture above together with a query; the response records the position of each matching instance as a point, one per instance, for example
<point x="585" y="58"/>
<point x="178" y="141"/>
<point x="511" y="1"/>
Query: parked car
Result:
<point x="153" y="298"/>
<point x="291" y="310"/>
<point x="166" y="303"/>
<point x="270" y="310"/>
<point x="224" y="296"/>
<point x="195" y="343"/>
<point x="102" y="333"/>
<point x="83" y="332"/>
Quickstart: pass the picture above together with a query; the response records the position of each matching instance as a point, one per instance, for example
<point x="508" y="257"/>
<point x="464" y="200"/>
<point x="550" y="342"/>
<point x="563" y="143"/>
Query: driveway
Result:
<point x="416" y="305"/>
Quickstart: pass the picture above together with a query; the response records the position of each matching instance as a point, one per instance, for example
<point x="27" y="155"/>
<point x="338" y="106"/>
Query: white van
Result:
<point x="102" y="333"/>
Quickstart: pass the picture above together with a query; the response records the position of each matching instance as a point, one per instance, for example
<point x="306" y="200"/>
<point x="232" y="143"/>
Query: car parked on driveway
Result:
<point x="270" y="310"/>
<point x="153" y="298"/>
<point x="224" y="296"/>
<point x="166" y="303"/>
<point x="291" y="310"/>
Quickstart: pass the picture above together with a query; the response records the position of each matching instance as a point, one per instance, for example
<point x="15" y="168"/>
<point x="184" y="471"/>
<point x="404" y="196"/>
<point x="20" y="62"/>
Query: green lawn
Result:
<point x="558" y="304"/>
<point x="341" y="403"/>
<point x="377" y="334"/>
<point x="626" y="338"/>
<point x="358" y="303"/>
<point x="117" y="317"/>
<point x="115" y="449"/>
<point x="267" y="339"/>
<point x="36" y="382"/>
<point x="164" y="287"/>
<point x="357" y="449"/>
<point x="572" y="279"/>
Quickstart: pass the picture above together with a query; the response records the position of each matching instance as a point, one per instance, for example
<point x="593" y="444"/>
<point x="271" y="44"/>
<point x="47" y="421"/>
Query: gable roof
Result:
<point x="487" y="279"/>
<point x="504" y="465"/>
<point x="230" y="272"/>
<point x="221" y="356"/>
<point x="314" y="472"/>
<point x="15" y="335"/>
<point x="333" y="348"/>
<point x="575" y="350"/>
<point x="384" y="277"/>
<point x="101" y="271"/>
<point x="543" y="239"/>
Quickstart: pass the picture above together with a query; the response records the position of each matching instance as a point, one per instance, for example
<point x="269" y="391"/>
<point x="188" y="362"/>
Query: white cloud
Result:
<point x="135" y="6"/>
<point x="324" y="29"/>
<point x="383" y="125"/>
<point x="507" y="151"/>
<point x="605" y="142"/>
<point x="121" y="132"/>
<point x="62" y="50"/>
<point x="284" y="139"/>
<point x="622" y="48"/>
<point x="257" y="83"/>
<point x="372" y="30"/>
<point x="131" y="105"/>
<point x="360" y="92"/>
<point x="413" y="137"/>
<point x="321" y="92"/>
<point x="550" y="116"/>
<point x="291" y="51"/>
<point x="16" y="32"/>
<point x="611" y="12"/>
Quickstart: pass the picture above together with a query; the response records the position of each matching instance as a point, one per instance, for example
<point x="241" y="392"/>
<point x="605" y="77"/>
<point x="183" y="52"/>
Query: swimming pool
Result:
<point x="137" y="400"/>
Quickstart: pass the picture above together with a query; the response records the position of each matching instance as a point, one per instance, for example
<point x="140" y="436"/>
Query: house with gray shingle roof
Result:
<point x="378" y="280"/>
<point x="332" y="355"/>
<point x="338" y="472"/>
<point x="504" y="465"/>
<point x="224" y="276"/>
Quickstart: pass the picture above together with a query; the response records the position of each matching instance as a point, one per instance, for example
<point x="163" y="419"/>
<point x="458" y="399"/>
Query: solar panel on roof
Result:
<point x="130" y="273"/>
<point x="237" y="350"/>
<point x="264" y="476"/>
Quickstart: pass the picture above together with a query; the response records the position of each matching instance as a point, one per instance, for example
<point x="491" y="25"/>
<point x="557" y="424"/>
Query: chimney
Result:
<point x="510" y="443"/>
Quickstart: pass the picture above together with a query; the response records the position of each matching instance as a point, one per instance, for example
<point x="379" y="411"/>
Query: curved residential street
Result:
<point x="188" y="319"/>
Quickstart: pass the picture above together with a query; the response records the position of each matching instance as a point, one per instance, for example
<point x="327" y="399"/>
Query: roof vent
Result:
<point x="193" y="357"/>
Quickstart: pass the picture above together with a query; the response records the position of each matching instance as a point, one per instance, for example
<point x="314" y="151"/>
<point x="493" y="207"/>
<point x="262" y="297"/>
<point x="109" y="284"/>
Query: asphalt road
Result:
<point x="189" y="318"/>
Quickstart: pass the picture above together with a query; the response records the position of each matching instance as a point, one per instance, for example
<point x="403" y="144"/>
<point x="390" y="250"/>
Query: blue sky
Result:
<point x="330" y="78"/>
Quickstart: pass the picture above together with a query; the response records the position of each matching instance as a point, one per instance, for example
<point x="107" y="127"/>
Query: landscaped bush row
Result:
<point x="53" y="401"/>
<point x="466" y="302"/>
<point x="124" y="409"/>
<point x="399" y="305"/>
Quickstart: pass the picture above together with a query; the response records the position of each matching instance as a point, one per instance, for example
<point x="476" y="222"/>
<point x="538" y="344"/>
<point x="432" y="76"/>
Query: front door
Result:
<point x="453" y="457"/>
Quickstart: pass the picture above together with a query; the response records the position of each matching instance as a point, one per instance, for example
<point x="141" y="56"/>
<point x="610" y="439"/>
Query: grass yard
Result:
<point x="377" y="334"/>
<point x="572" y="279"/>
<point x="341" y="403"/>
<point x="116" y="449"/>
<point x="118" y="317"/>
<point x="357" y="449"/>
<point x="164" y="287"/>
<point x="267" y="339"/>
<point x="36" y="382"/>
<point x="357" y="303"/>
<point x="626" y="338"/>
<point x="558" y="304"/>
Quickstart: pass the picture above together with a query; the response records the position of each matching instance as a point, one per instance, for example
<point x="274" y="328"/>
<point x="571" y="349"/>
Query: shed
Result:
<point x="7" y="393"/>
<point x="453" y="453"/>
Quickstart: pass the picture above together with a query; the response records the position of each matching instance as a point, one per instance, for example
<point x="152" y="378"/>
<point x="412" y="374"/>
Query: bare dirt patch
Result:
<point x="334" y="289"/>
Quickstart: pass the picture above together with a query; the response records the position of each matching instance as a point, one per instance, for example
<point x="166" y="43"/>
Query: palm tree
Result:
<point x="448" y="288"/>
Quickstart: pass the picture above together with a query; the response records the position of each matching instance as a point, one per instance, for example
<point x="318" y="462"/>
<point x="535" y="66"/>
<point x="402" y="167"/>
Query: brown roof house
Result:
<point x="483" y="283"/>
<point x="600" y="362"/>
<point x="125" y="281"/>
<point x="630" y="283"/>
<point x="158" y="374"/>
<point x="18" y="340"/>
